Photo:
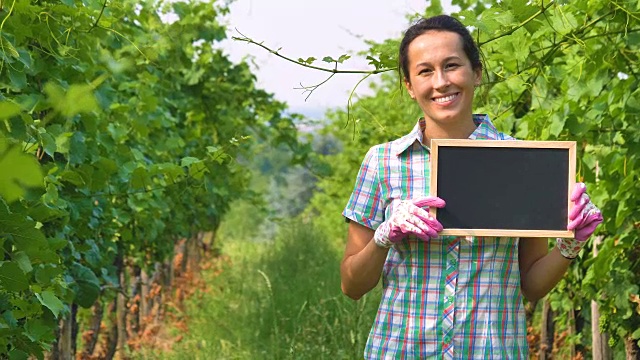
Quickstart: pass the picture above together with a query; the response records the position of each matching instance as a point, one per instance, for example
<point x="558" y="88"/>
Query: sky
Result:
<point x="318" y="28"/>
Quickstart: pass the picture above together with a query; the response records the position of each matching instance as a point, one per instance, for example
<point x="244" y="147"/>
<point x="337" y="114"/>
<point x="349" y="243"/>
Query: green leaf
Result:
<point x="46" y="273"/>
<point x="522" y="10"/>
<point x="174" y="173"/>
<point x="17" y="354"/>
<point x="86" y="285"/>
<point x="77" y="99"/>
<point x="22" y="259"/>
<point x="140" y="178"/>
<point x="344" y="57"/>
<point x="93" y="255"/>
<point x="77" y="148"/>
<point x="58" y="243"/>
<point x="23" y="231"/>
<point x="197" y="170"/>
<point x="7" y="47"/>
<point x="51" y="301"/>
<point x="373" y="61"/>
<point x="18" y="128"/>
<point x="48" y="143"/>
<point x="328" y="59"/>
<point x="18" y="172"/>
<point x="634" y="100"/>
<point x="187" y="161"/>
<point x="8" y="316"/>
<point x="51" y="197"/>
<point x="8" y="109"/>
<point x="72" y="177"/>
<point x="18" y="79"/>
<point x="30" y="102"/>
<point x="37" y="329"/>
<point x="12" y="278"/>
<point x="557" y="124"/>
<point x="24" y="308"/>
<point x="24" y="58"/>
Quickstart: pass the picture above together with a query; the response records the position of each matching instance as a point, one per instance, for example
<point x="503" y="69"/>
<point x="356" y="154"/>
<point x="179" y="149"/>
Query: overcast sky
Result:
<point x="317" y="28"/>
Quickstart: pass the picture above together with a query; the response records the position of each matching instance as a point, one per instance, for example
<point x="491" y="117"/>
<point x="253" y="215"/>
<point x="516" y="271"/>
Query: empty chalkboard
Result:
<point x="503" y="187"/>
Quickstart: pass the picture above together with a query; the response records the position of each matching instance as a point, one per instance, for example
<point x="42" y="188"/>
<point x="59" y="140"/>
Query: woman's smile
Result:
<point x="445" y="100"/>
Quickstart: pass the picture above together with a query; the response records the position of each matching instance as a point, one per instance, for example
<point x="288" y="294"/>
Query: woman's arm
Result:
<point x="362" y="264"/>
<point x="540" y="269"/>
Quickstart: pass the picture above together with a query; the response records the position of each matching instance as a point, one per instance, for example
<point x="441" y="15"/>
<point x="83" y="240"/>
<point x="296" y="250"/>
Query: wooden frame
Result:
<point x="438" y="144"/>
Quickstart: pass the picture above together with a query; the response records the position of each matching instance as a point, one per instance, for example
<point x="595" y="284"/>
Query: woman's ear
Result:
<point x="478" y="76"/>
<point x="407" y="84"/>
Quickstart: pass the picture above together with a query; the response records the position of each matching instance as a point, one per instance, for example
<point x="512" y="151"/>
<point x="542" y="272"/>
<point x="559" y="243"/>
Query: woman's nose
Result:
<point x="441" y="79"/>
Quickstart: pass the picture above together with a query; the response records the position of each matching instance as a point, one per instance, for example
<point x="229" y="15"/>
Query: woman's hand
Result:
<point x="410" y="218"/>
<point x="583" y="218"/>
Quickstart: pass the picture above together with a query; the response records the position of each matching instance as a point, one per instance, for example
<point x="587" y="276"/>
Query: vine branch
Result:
<point x="104" y="5"/>
<point x="312" y="88"/>
<point x="277" y="53"/>
<point x="349" y="101"/>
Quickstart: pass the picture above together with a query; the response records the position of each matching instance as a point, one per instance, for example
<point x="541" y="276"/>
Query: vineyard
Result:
<point x="141" y="169"/>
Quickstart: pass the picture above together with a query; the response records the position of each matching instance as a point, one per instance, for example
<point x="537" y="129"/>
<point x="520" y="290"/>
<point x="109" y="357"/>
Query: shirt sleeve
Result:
<point x="365" y="205"/>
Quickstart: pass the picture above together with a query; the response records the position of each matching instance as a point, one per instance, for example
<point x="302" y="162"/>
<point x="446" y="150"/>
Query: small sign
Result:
<point x="503" y="187"/>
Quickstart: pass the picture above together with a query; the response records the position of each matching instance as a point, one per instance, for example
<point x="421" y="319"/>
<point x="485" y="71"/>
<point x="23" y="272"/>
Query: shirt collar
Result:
<point x="485" y="130"/>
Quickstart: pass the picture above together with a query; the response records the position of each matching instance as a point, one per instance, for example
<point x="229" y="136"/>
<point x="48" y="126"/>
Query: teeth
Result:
<point x="445" y="99"/>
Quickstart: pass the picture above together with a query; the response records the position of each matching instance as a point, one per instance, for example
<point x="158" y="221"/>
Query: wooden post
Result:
<point x="631" y="348"/>
<point x="144" y="296"/>
<point x="112" y="338"/>
<point x="195" y="253"/>
<point x="546" y="332"/>
<point x="94" y="328"/>
<point x="121" y="314"/>
<point x="599" y="341"/>
<point x="75" y="328"/>
<point x="64" y="342"/>
<point x="571" y="327"/>
<point x="185" y="249"/>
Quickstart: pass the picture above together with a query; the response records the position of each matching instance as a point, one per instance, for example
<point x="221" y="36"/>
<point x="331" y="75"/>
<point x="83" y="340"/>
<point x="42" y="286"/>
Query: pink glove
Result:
<point x="583" y="218"/>
<point x="409" y="218"/>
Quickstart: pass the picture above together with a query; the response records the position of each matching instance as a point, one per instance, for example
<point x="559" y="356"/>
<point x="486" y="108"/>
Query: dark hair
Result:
<point x="437" y="23"/>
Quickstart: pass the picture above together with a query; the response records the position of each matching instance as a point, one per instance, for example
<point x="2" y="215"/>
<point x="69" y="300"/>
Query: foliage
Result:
<point x="119" y="136"/>
<point x="553" y="70"/>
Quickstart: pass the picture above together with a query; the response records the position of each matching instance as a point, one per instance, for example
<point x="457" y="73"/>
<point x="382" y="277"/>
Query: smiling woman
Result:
<point x="446" y="296"/>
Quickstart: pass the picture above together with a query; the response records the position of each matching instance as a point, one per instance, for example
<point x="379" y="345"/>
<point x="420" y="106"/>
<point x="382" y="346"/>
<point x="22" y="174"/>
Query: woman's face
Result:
<point x="441" y="78"/>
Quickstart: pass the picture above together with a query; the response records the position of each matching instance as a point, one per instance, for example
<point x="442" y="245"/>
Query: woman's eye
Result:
<point x="424" y="71"/>
<point x="452" y="66"/>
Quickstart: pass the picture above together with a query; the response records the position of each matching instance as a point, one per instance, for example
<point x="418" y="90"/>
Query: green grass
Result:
<point x="276" y="299"/>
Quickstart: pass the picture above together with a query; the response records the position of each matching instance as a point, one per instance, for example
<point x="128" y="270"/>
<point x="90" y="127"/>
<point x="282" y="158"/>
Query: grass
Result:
<point x="275" y="299"/>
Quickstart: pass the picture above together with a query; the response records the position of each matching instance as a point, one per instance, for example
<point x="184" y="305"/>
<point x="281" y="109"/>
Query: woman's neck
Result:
<point x="453" y="130"/>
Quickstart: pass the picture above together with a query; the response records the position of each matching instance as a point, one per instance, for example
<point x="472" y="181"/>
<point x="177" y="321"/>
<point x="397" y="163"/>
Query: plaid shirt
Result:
<point x="447" y="297"/>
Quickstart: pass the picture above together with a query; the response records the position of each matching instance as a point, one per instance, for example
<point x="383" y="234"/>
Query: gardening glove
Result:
<point x="409" y="218"/>
<point x="583" y="218"/>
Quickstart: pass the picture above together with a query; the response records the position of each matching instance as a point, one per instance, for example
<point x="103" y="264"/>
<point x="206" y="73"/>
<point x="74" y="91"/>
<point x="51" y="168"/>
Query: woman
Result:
<point x="443" y="296"/>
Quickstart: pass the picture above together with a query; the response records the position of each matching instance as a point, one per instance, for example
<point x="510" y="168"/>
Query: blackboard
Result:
<point x="503" y="187"/>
